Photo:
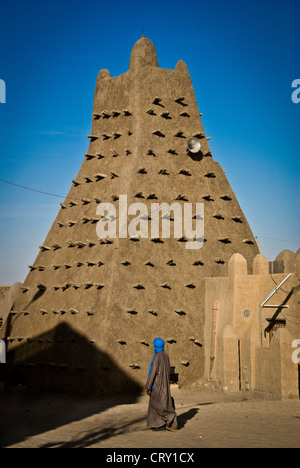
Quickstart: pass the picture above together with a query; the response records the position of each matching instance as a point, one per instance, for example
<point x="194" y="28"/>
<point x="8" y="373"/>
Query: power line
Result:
<point x="32" y="190"/>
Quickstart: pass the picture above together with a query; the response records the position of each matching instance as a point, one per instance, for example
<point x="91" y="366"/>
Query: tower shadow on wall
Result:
<point x="63" y="361"/>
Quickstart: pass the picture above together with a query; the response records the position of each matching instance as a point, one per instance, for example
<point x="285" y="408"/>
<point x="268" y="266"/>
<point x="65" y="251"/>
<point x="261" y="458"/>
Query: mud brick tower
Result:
<point x="89" y="309"/>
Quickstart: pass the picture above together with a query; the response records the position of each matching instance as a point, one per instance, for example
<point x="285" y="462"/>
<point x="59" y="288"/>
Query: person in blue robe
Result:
<point x="161" y="411"/>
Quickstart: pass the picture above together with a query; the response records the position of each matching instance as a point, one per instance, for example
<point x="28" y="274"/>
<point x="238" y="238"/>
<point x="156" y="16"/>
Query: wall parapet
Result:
<point x="243" y="362"/>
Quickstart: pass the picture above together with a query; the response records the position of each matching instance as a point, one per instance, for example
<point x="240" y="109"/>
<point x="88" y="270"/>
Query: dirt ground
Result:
<point x="207" y="417"/>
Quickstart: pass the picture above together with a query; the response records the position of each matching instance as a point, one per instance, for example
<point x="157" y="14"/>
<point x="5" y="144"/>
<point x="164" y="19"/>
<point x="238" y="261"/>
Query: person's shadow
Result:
<point x="185" y="417"/>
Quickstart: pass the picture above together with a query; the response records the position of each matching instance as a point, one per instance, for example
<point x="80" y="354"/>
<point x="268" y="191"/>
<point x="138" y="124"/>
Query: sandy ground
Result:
<point x="207" y="419"/>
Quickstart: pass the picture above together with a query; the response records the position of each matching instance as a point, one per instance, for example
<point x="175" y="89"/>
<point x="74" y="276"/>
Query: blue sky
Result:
<point x="242" y="56"/>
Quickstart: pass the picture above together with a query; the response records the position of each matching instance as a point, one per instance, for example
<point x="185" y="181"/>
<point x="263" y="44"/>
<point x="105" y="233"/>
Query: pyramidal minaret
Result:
<point x="90" y="307"/>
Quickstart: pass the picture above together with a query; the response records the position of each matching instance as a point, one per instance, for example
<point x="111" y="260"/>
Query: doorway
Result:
<point x="273" y="326"/>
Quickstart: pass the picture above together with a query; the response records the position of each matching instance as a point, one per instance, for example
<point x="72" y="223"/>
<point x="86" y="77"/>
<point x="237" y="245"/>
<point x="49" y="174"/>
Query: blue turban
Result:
<point x="159" y="345"/>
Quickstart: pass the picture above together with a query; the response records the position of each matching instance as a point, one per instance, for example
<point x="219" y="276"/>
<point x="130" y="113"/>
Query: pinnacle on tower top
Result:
<point x="143" y="53"/>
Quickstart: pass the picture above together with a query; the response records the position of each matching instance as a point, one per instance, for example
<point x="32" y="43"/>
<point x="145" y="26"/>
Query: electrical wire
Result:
<point x="35" y="190"/>
<point x="65" y="197"/>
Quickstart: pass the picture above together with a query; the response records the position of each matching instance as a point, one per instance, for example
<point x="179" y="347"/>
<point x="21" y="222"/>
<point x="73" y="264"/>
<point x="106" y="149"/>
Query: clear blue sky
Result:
<point x="242" y="55"/>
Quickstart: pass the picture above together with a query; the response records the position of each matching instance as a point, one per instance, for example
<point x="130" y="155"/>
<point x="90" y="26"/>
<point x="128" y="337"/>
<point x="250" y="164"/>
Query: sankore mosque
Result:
<point x="84" y="319"/>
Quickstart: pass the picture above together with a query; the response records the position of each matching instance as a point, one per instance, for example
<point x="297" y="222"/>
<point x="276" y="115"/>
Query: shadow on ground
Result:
<point x="24" y="415"/>
<point x="57" y="378"/>
<point x="93" y="437"/>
